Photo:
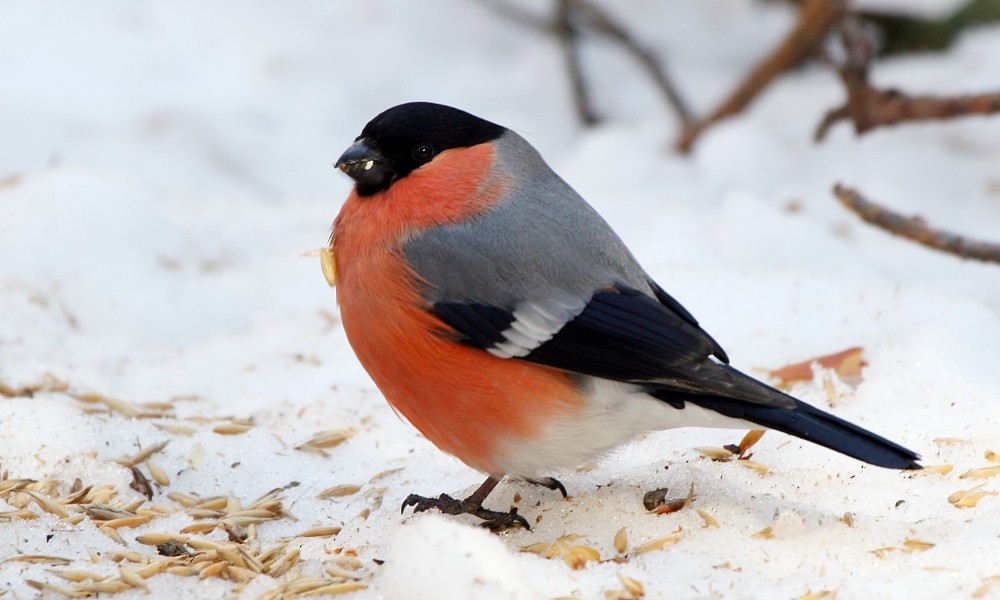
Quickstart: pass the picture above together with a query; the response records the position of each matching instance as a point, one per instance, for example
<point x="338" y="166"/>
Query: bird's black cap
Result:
<point x="404" y="137"/>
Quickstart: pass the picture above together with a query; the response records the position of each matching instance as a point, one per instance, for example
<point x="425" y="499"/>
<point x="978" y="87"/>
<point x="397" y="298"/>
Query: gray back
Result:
<point x="540" y="242"/>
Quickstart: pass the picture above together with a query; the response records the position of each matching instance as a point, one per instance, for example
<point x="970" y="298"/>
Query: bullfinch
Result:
<point x="501" y="315"/>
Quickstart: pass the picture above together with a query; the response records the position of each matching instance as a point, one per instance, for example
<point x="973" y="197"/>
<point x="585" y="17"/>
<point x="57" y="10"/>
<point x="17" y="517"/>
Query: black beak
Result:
<point x="366" y="165"/>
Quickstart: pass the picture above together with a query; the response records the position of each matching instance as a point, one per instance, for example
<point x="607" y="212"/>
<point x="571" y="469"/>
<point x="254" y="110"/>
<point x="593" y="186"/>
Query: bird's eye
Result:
<point x="422" y="152"/>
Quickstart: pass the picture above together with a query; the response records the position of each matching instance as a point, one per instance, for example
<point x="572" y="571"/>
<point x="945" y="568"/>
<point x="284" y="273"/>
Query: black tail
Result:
<point x="811" y="424"/>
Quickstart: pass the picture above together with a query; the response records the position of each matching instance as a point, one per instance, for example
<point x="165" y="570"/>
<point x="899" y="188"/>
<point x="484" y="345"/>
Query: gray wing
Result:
<point x="542" y="277"/>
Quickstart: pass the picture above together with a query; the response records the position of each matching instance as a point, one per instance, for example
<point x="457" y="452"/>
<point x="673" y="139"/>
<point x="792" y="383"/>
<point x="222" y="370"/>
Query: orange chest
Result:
<point x="466" y="401"/>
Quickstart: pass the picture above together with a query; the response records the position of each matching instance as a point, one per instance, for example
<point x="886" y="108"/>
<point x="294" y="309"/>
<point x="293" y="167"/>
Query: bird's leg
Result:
<point x="473" y="505"/>
<point x="551" y="483"/>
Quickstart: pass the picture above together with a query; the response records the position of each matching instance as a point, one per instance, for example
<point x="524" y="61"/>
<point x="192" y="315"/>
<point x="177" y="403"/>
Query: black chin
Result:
<point x="365" y="163"/>
<point x="376" y="178"/>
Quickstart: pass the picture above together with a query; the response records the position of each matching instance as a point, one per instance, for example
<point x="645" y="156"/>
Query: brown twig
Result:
<point x="572" y="19"/>
<point x="816" y="19"/>
<point x="603" y="23"/>
<point x="916" y="228"/>
<point x="566" y="30"/>
<point x="869" y="107"/>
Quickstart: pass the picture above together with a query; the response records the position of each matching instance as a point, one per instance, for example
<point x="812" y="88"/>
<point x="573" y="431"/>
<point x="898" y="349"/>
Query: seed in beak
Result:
<point x="369" y="164"/>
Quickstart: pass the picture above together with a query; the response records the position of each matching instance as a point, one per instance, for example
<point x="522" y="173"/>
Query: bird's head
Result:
<point x="404" y="138"/>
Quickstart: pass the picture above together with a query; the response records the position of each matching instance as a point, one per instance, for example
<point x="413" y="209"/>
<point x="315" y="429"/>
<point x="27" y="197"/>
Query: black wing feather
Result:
<point x="621" y="334"/>
<point x="479" y="325"/>
<point x="626" y="336"/>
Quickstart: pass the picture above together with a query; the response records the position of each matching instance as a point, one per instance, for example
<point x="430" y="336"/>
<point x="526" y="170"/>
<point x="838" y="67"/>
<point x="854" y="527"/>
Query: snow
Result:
<point x="164" y="166"/>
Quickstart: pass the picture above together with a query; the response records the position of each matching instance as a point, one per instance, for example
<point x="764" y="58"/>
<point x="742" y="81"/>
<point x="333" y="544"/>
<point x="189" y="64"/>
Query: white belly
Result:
<point x="617" y="413"/>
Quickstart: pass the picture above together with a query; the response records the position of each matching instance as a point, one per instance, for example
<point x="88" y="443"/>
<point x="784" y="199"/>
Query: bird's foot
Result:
<point x="493" y="520"/>
<point x="551" y="483"/>
<point x="473" y="505"/>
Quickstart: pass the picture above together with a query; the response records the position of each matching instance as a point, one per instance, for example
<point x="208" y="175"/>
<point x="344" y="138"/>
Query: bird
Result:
<point x="502" y="316"/>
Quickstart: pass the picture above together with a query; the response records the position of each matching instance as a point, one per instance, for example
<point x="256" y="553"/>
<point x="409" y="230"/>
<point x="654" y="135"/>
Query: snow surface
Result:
<point x="164" y="166"/>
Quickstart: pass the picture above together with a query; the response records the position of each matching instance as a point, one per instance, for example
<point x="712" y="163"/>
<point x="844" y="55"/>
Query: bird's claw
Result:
<point x="493" y="520"/>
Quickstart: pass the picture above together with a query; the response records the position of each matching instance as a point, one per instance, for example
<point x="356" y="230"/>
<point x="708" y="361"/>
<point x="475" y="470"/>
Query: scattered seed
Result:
<point x="240" y="574"/>
<point x="143" y="455"/>
<point x="324" y="440"/>
<point x="305" y="584"/>
<point x="992" y="456"/>
<point x="185" y="500"/>
<point x="755" y="466"/>
<point x="158" y="539"/>
<point x="969" y="498"/>
<point x="212" y="570"/>
<point x="848" y="519"/>
<point x="18" y="514"/>
<point x="206" y="545"/>
<point x="45" y="559"/>
<point x="320" y="532"/>
<point x="108" y="586"/>
<point x="715" y="453"/>
<point x="820" y="595"/>
<point x="112" y="533"/>
<point x="576" y="557"/>
<point x="232" y="556"/>
<point x="846" y="363"/>
<point x="707" y="518"/>
<point x="176" y="429"/>
<point x="983" y="473"/>
<point x="933" y="470"/>
<point x="986" y="586"/>
<point x="231" y="429"/>
<point x="112" y="404"/>
<point x="48" y="587"/>
<point x="13" y="485"/>
<point x="131" y="578"/>
<point x="913" y="545"/>
<point x="339" y="491"/>
<point x="338" y="588"/>
<point x="124" y="555"/>
<point x="75" y="576"/>
<point x="197" y="457"/>
<point x="214" y="503"/>
<point x="206" y="527"/>
<point x="621" y="541"/>
<point x="764" y="534"/>
<point x="536" y="548"/>
<point x="158" y="474"/>
<point x="77" y="496"/>
<point x="283" y="564"/>
<point x="950" y="440"/>
<point x="328" y="265"/>
<point x="658" y="544"/>
<point x="383" y="474"/>
<point x="375" y="496"/>
<point x="45" y="503"/>
<point x="633" y="587"/>
<point x="749" y="440"/>
<point x="127" y="522"/>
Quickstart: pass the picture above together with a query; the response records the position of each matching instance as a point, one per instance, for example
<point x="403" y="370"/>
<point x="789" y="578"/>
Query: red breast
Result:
<point x="464" y="400"/>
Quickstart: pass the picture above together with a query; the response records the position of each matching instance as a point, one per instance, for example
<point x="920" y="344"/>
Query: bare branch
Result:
<point x="869" y="107"/>
<point x="575" y="17"/>
<point x="916" y="228"/>
<point x="605" y="25"/>
<point x="816" y="19"/>
<point x="569" y="36"/>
